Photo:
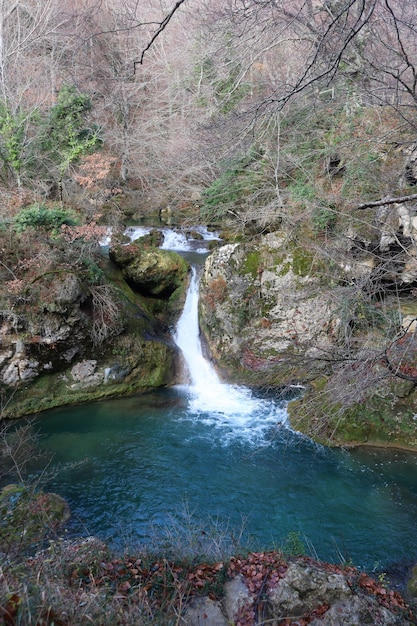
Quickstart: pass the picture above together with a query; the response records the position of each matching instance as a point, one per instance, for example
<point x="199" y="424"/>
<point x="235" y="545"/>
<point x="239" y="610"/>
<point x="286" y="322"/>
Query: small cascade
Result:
<point x="174" y="240"/>
<point x="187" y="337"/>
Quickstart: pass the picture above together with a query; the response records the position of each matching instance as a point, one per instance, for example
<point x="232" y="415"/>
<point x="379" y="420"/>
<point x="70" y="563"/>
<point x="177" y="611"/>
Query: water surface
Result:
<point x="146" y="458"/>
<point x="216" y="451"/>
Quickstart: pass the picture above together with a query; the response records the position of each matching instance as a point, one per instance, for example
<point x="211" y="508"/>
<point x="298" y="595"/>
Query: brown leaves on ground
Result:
<point x="155" y="586"/>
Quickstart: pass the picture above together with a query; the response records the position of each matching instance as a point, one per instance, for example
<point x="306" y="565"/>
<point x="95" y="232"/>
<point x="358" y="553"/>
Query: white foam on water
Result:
<point x="175" y="240"/>
<point x="136" y="232"/>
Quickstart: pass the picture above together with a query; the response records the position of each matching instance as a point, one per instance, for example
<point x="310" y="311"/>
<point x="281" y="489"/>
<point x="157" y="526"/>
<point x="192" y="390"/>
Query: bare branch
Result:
<point x="158" y="31"/>
<point x="375" y="203"/>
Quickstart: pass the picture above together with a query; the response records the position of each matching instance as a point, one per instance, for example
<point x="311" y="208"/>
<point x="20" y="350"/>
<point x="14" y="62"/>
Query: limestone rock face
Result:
<point x="262" y="302"/>
<point x="82" y="341"/>
<point x="306" y="586"/>
<point x="275" y="314"/>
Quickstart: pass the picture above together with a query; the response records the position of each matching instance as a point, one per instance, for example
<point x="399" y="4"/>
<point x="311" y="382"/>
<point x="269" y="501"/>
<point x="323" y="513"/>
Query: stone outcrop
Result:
<point x="304" y="593"/>
<point x="149" y="270"/>
<point x="262" y="306"/>
<point x="83" y="342"/>
<point x="276" y="314"/>
<point x="29" y="518"/>
<point x="160" y="275"/>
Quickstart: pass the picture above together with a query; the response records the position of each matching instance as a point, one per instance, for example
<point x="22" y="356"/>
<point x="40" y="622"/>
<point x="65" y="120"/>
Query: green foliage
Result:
<point x="65" y="137"/>
<point x="15" y="153"/>
<point x="324" y="219"/>
<point x="38" y="216"/>
<point x="302" y="189"/>
<point x="240" y="178"/>
<point x="362" y="176"/>
<point x="34" y="144"/>
<point x="12" y="135"/>
<point x="93" y="273"/>
<point x="294" y="545"/>
<point x="226" y="90"/>
<point x="229" y="92"/>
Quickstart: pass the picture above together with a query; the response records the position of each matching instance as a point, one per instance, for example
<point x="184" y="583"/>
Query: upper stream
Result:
<point x="218" y="451"/>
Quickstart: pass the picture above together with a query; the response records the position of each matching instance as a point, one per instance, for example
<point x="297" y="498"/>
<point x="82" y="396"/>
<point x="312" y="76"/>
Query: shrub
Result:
<point x="38" y="216"/>
<point x="324" y="219"/>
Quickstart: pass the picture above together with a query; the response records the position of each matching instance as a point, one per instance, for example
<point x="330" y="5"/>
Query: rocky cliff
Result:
<point x="331" y="315"/>
<point x="79" y="330"/>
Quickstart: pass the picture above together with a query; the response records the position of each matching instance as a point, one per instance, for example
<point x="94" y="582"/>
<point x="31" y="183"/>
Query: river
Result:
<point x="220" y="458"/>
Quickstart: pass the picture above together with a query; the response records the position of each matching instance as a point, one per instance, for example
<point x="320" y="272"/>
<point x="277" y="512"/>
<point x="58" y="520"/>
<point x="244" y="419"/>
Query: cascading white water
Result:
<point x="232" y="408"/>
<point x="187" y="337"/>
<point x="216" y="402"/>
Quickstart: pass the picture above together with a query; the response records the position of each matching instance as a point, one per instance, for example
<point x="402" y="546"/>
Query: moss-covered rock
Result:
<point x="29" y="517"/>
<point x="412" y="583"/>
<point x="263" y="306"/>
<point x="150" y="270"/>
<point x="383" y="416"/>
<point x="136" y="356"/>
<point x="274" y="315"/>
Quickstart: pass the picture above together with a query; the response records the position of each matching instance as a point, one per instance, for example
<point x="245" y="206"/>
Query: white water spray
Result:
<point x="215" y="402"/>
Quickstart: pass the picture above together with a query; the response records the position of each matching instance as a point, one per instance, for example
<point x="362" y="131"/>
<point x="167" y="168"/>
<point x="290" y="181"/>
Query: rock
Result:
<point x="19" y="370"/>
<point x="262" y="301"/>
<point x="84" y="369"/>
<point x="85" y="375"/>
<point x="149" y="270"/>
<point x="358" y="611"/>
<point x="236" y="597"/>
<point x="5" y="355"/>
<point x="302" y="591"/>
<point x="116" y="372"/>
<point x="203" y="612"/>
<point x="304" y="587"/>
<point x="28" y="517"/>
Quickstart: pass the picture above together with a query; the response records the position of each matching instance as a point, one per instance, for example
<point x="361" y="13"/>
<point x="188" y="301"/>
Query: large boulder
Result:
<point x="28" y="517"/>
<point x="265" y="305"/>
<point x="150" y="270"/>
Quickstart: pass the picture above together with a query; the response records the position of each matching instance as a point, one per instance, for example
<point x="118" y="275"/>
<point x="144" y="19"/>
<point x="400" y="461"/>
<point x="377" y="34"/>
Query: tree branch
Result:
<point x="374" y="203"/>
<point x="156" y="34"/>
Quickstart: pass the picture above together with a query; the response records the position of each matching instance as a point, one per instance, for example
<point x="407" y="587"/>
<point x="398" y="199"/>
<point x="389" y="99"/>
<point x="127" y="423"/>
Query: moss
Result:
<point x="285" y="268"/>
<point x="412" y="584"/>
<point x="150" y="363"/>
<point x="252" y="263"/>
<point x="302" y="263"/>
<point x="376" y="420"/>
<point x="28" y="517"/>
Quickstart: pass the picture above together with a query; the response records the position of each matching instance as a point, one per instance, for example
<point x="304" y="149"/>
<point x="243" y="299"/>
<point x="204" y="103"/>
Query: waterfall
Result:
<point x="187" y="337"/>
<point x="220" y="402"/>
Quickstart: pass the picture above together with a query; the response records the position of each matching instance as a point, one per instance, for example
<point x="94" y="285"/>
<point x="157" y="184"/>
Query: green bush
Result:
<point x="65" y="136"/>
<point x="324" y="219"/>
<point x="38" y="216"/>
